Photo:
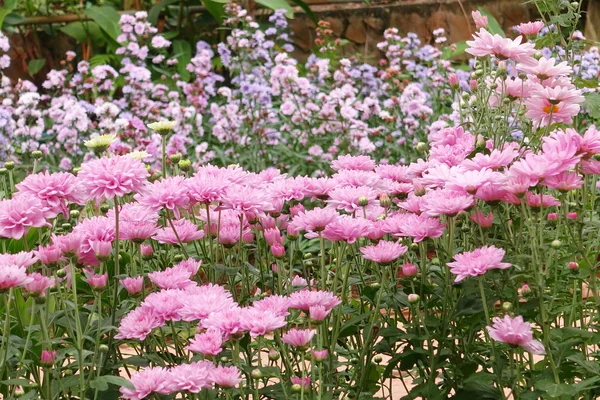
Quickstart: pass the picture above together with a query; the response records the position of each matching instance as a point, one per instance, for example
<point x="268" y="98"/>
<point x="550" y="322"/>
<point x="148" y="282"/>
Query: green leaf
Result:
<point x="459" y="49"/>
<point x="19" y="382"/>
<point x="215" y="8"/>
<point x="278" y="5"/>
<point x="100" y="59"/>
<point x="155" y="11"/>
<point x="9" y="5"/>
<point x="101" y="383"/>
<point x="183" y="53"/>
<point x="107" y="18"/>
<point x="554" y="390"/>
<point x="592" y="103"/>
<point x="80" y="32"/>
<point x="34" y="66"/>
<point x="493" y="25"/>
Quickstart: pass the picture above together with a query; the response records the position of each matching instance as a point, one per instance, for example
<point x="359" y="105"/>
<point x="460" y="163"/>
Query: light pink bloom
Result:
<point x="226" y="321"/>
<point x="314" y="220"/>
<point x="136" y="222"/>
<point x="419" y="227"/>
<point x="298" y="337"/>
<point x="191" y="377"/>
<point x="260" y="322"/>
<point x="13" y="276"/>
<point x="39" y="284"/>
<point x="201" y="301"/>
<point x="145" y="382"/>
<point x="251" y="201"/>
<point x="516" y="332"/>
<point x="318" y="313"/>
<point x="486" y="44"/>
<point x="170" y="193"/>
<point x="133" y="285"/>
<point x="172" y="278"/>
<point x="535" y="200"/>
<point x="546" y="68"/>
<point x="303" y="382"/>
<point x="226" y="376"/>
<point x="482" y="220"/>
<point x="23" y="259"/>
<point x="186" y="230"/>
<point x="481" y="21"/>
<point x="446" y="202"/>
<point x="19" y="214"/>
<point x="97" y="281"/>
<point x="106" y="178"/>
<point x="54" y="191"/>
<point x="305" y="299"/>
<point x="209" y="343"/>
<point x="274" y="303"/>
<point x="205" y="189"/>
<point x="320" y="355"/>
<point x="165" y="305"/>
<point x="355" y="163"/>
<point x="530" y="28"/>
<point x="138" y="324"/>
<point x="383" y="252"/>
<point x="409" y="269"/>
<point x="477" y="262"/>
<point x="347" y="198"/>
<point x="561" y="102"/>
<point x="564" y="181"/>
<point x="348" y="229"/>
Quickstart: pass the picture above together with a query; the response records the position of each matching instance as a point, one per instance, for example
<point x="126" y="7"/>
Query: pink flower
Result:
<point x="564" y="181"/>
<point x="136" y="222"/>
<point x="477" y="262"/>
<point x="561" y="102"/>
<point x="226" y="321"/>
<point x="320" y="355"/>
<point x="274" y="303"/>
<point x="54" y="191"/>
<point x="101" y="249"/>
<point x="201" y="301"/>
<point x="133" y="285"/>
<point x="97" y="281"/>
<point x="419" y="227"/>
<point x="248" y="200"/>
<point x="47" y="358"/>
<point x="145" y="382"/>
<point x="169" y="193"/>
<point x="348" y="229"/>
<point x="138" y="324"/>
<point x="481" y="21"/>
<point x="546" y="68"/>
<point x="482" y="220"/>
<point x="39" y="284"/>
<point x="314" y="220"/>
<point x="589" y="144"/>
<point x="106" y="178"/>
<point x="260" y="322"/>
<point x="165" y="305"/>
<point x="486" y="44"/>
<point x="186" y="230"/>
<point x="303" y="382"/>
<point x="147" y="251"/>
<point x="305" y="299"/>
<point x="470" y="181"/>
<point x="535" y="200"/>
<point x="190" y="264"/>
<point x="409" y="269"/>
<point x="298" y="337"/>
<point x="209" y="343"/>
<point x="446" y="202"/>
<point x="278" y="250"/>
<point x="318" y="313"/>
<point x="22" y="259"/>
<point x="356" y="163"/>
<point x="19" y="214"/>
<point x="530" y="28"/>
<point x="516" y="332"/>
<point x="348" y="198"/>
<point x="13" y="276"/>
<point x="191" y="377"/>
<point x="172" y="278"/>
<point x="383" y="252"/>
<point x="226" y="376"/>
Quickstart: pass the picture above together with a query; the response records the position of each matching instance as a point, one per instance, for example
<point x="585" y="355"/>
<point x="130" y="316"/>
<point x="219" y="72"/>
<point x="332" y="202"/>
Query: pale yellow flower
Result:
<point x="100" y="143"/>
<point x="139" y="154"/>
<point x="162" y="127"/>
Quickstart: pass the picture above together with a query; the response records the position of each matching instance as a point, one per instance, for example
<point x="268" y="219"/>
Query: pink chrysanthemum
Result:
<point x="516" y="332"/>
<point x="530" y="28"/>
<point x="305" y="299"/>
<point x="145" y="382"/>
<point x="274" y="303"/>
<point x="201" y="301"/>
<point x="226" y="321"/>
<point x="106" y="178"/>
<point x="314" y="220"/>
<point x="205" y="189"/>
<point x="19" y="214"/>
<point x="172" y="278"/>
<point x="23" y="259"/>
<point x="54" y="191"/>
<point x="260" y="322"/>
<point x="170" y="193"/>
<point x="477" y="262"/>
<point x="355" y="163"/>
<point x="298" y="337"/>
<point x="165" y="305"/>
<point x="226" y="376"/>
<point x="486" y="44"/>
<point x="348" y="198"/>
<point x="138" y="324"/>
<point x="209" y="343"/>
<point x="446" y="202"/>
<point x="191" y="377"/>
<point x="383" y="252"/>
<point x="133" y="285"/>
<point x="186" y="231"/>
<point x="39" y="284"/>
<point x="13" y="276"/>
<point x="347" y="229"/>
<point x="558" y="104"/>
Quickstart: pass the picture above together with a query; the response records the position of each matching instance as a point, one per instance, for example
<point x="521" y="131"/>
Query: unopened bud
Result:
<point x="507" y="306"/>
<point x="9" y="165"/>
<point x="363" y="201"/>
<point x="61" y="273"/>
<point x="103" y="348"/>
<point x="556" y="244"/>
<point x="384" y="200"/>
<point x="378" y="359"/>
<point x="37" y="155"/>
<point x="413" y="298"/>
<point x="274" y="355"/>
<point x="175" y="158"/>
<point x="256" y="374"/>
<point x="104" y="208"/>
<point x="74" y="214"/>
<point x="178" y="258"/>
<point x="185" y="165"/>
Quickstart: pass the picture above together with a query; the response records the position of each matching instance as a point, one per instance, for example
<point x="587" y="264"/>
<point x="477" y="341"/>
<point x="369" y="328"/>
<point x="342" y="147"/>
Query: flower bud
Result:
<point x="378" y="359"/>
<point x="501" y="71"/>
<point x="552" y="216"/>
<point x="256" y="374"/>
<point x="274" y="355"/>
<point x="178" y="258"/>
<point x="453" y="80"/>
<point x="409" y="269"/>
<point x="278" y="250"/>
<point x="296" y="388"/>
<point x="507" y="306"/>
<point x="422" y="146"/>
<point x="175" y="158"/>
<point x="9" y="165"/>
<point x="384" y="200"/>
<point x="104" y="208"/>
<point x="103" y="348"/>
<point x="61" y="273"/>
<point x="363" y="201"/>
<point x="320" y="355"/>
<point x="74" y="214"/>
<point x="3" y="171"/>
<point x="185" y="165"/>
<point x="37" y="155"/>
<point x="556" y="244"/>
<point x="19" y="392"/>
<point x="413" y="298"/>
<point x="47" y="358"/>
<point x="572" y="215"/>
<point x="147" y="251"/>
<point x="573" y="265"/>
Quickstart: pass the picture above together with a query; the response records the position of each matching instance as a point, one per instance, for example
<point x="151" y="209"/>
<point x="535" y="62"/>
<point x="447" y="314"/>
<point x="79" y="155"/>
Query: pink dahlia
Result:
<point x="477" y="262"/>
<point x="19" y="214"/>
<point x="383" y="252"/>
<point x="516" y="332"/>
<point x="106" y="178"/>
<point x="298" y="337"/>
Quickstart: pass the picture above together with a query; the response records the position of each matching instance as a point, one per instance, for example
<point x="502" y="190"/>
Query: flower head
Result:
<point x="516" y="332"/>
<point x="477" y="262"/>
<point x="383" y="252"/>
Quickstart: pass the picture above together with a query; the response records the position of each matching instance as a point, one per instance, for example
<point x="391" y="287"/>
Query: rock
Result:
<point x="375" y="23"/>
<point x="356" y="31"/>
<point x="336" y="25"/>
